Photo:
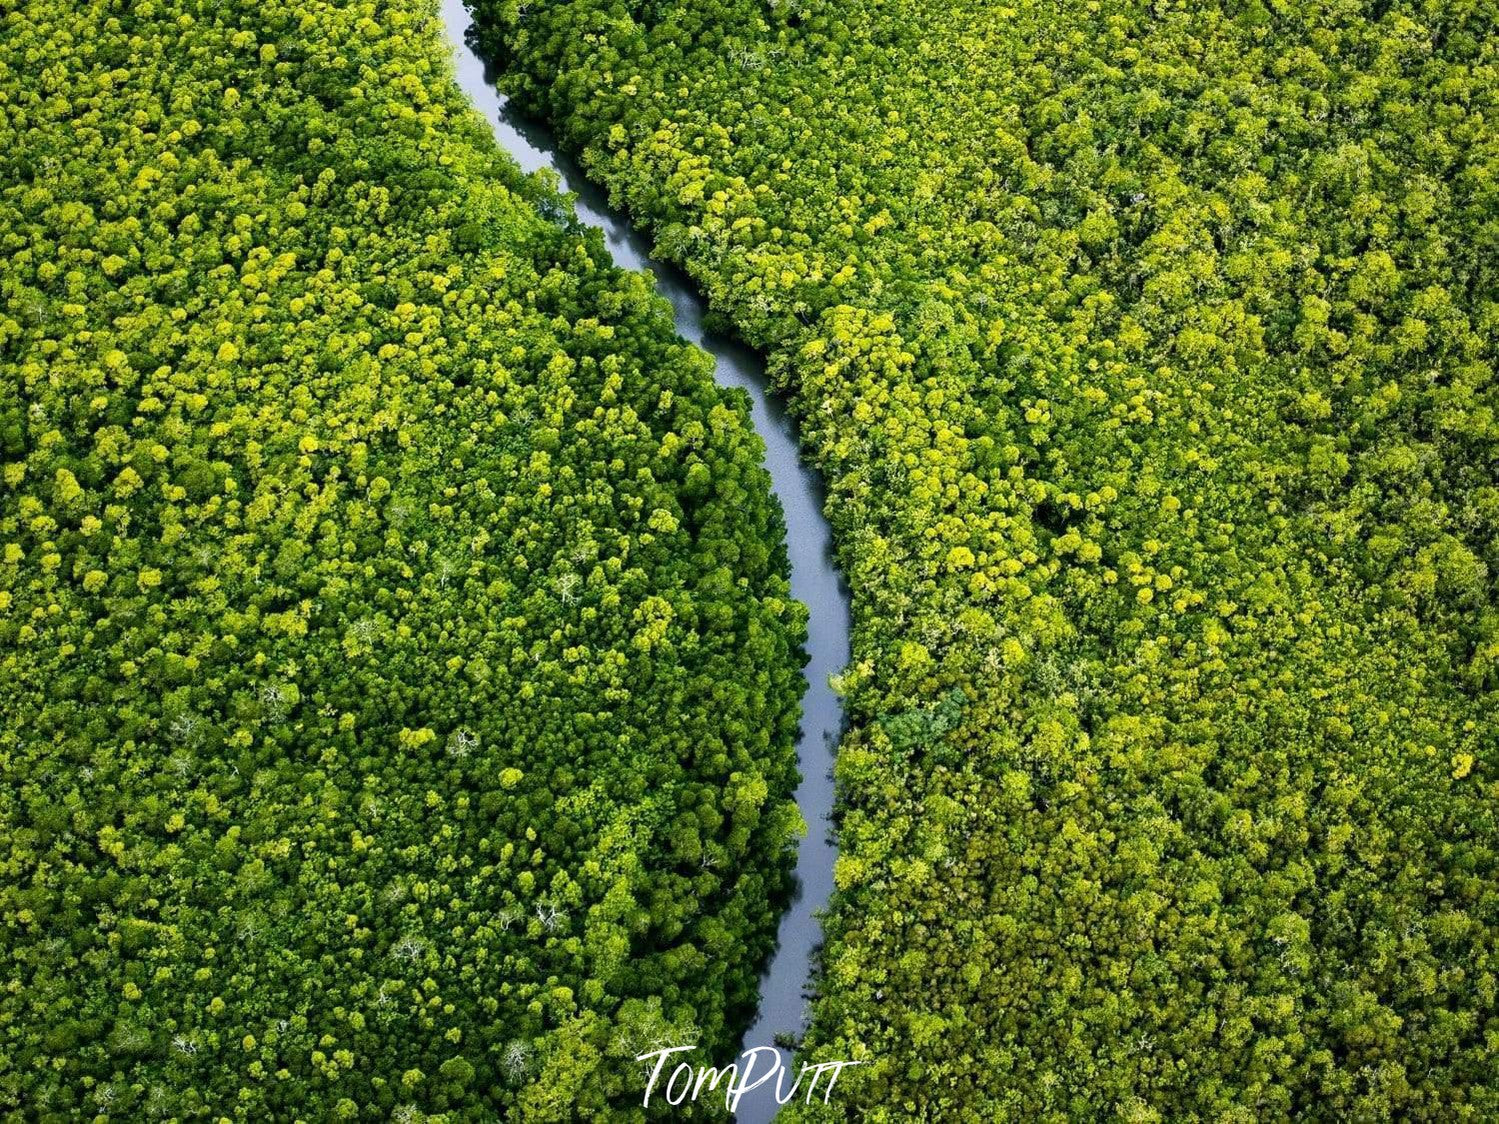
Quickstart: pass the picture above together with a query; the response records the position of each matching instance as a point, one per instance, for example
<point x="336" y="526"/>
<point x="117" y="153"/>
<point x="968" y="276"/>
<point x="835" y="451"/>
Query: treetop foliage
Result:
<point x="398" y="671"/>
<point x="1148" y="350"/>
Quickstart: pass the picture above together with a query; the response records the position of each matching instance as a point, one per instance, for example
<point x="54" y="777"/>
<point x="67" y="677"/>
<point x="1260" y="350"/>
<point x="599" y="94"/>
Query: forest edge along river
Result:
<point x="814" y="577"/>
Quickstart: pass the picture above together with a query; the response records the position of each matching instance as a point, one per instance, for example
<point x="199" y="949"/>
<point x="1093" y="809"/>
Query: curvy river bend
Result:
<point x="814" y="578"/>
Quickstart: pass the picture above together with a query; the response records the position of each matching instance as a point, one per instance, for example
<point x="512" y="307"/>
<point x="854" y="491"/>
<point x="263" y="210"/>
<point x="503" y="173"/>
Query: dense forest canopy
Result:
<point x="397" y="666"/>
<point x="1148" y="350"/>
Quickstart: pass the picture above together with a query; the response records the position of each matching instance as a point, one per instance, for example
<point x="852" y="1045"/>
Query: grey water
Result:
<point x="815" y="580"/>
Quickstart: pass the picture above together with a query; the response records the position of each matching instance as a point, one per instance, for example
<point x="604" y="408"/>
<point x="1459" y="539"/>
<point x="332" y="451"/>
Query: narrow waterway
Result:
<point x="814" y="578"/>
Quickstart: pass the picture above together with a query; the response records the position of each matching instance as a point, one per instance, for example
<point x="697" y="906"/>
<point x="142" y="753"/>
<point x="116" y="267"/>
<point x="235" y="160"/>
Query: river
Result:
<point x="815" y="580"/>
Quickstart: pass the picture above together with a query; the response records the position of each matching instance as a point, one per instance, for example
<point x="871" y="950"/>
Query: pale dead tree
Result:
<point x="507" y="917"/>
<point x="184" y="1045"/>
<point x="186" y="729"/>
<point x="181" y="764"/>
<point x="549" y="916"/>
<point x="408" y="948"/>
<point x="517" y="1058"/>
<point x="249" y="930"/>
<point x="273" y="698"/>
<point x="404" y="1114"/>
<point x="566" y="587"/>
<point x="1049" y="677"/>
<point x="462" y="742"/>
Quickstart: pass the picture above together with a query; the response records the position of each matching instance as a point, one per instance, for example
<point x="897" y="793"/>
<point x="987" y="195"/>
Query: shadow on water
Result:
<point x="814" y="577"/>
